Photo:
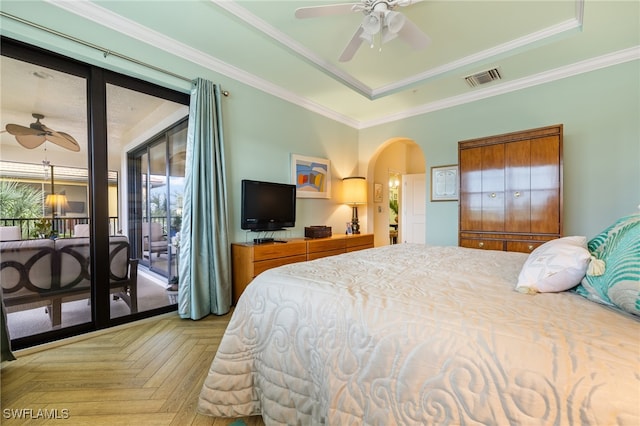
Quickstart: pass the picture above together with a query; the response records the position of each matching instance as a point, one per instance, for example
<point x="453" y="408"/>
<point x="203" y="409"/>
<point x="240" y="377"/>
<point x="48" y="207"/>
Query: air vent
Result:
<point x="483" y="77"/>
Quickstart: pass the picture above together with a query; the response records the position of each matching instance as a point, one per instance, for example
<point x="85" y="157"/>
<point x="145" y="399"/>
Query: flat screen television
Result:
<point x="267" y="206"/>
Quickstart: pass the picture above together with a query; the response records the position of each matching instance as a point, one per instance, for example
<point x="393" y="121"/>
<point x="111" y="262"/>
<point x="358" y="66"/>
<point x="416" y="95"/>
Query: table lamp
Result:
<point x="355" y="193"/>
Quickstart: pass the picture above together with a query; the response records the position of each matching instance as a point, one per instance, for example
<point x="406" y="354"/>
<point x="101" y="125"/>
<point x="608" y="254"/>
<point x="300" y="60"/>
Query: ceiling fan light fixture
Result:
<point x="368" y="38"/>
<point x="379" y="18"/>
<point x="394" y="21"/>
<point x="371" y="24"/>
<point x="388" y="35"/>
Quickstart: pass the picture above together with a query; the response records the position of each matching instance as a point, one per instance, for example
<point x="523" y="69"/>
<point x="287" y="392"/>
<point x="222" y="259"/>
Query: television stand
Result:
<point x="250" y="259"/>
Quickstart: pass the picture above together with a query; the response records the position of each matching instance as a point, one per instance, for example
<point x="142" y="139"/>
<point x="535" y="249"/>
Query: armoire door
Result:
<point x="532" y="180"/>
<point x="482" y="188"/>
<point x="546" y="185"/>
<point x="518" y="186"/>
<point x="470" y="163"/>
<point x="493" y="187"/>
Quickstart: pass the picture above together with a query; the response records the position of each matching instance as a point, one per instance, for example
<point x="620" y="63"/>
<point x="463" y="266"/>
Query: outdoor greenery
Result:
<point x="393" y="205"/>
<point x="43" y="229"/>
<point x="19" y="201"/>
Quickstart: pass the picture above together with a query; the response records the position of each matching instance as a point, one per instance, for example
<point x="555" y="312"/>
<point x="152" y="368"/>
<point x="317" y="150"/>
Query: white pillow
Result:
<point x="556" y="265"/>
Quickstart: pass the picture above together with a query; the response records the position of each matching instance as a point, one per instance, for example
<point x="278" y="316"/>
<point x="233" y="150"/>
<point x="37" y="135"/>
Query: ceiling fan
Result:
<point x="380" y="18"/>
<point x="37" y="133"/>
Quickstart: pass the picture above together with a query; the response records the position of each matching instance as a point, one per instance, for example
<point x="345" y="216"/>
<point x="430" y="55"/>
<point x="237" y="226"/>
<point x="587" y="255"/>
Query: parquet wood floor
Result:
<point x="149" y="373"/>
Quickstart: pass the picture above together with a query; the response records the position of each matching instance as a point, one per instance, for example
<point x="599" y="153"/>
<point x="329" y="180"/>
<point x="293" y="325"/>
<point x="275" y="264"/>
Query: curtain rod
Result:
<point x="105" y="52"/>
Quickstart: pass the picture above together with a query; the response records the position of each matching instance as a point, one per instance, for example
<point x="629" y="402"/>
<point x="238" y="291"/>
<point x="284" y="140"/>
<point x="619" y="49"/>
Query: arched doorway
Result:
<point x="396" y="157"/>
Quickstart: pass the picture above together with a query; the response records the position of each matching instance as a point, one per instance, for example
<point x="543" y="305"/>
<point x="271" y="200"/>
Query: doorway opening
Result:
<point x="393" y="162"/>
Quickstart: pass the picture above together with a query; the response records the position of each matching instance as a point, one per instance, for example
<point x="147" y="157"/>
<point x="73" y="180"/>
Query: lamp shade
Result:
<point x="394" y="21"/>
<point x="354" y="190"/>
<point x="57" y="201"/>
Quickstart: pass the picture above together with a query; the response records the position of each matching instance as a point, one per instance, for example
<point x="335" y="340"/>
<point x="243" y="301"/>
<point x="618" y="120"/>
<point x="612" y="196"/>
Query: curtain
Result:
<point x="204" y="283"/>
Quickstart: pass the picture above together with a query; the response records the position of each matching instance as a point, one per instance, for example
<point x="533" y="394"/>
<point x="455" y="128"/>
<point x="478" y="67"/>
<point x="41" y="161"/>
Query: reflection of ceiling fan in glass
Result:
<point x="380" y="20"/>
<point x="37" y="133"/>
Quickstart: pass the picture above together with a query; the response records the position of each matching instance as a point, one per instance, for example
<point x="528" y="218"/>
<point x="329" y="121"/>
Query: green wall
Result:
<point x="600" y="112"/>
<point x="601" y="116"/>
<point x="261" y="132"/>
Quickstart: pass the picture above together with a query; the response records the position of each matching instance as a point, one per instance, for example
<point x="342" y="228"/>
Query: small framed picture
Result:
<point x="444" y="183"/>
<point x="312" y="176"/>
<point x="377" y="192"/>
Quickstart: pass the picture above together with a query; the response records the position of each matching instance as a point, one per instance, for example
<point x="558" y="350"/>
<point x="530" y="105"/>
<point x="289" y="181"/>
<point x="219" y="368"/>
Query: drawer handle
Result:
<point x="493" y="195"/>
<point x="516" y="194"/>
<point x="481" y="245"/>
<point x="530" y="247"/>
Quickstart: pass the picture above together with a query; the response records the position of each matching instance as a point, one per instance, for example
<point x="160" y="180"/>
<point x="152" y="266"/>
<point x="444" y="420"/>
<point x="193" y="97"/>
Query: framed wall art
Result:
<point x="312" y="176"/>
<point x="444" y="183"/>
<point x="377" y="192"/>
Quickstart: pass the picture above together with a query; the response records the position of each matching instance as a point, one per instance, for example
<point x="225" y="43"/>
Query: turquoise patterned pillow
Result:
<point x="619" y="247"/>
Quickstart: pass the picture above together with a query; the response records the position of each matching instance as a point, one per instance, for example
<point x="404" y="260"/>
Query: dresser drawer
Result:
<point x="261" y="266"/>
<point x="326" y="253"/>
<point x="328" y="244"/>
<point x="278" y="250"/>
<point x="359" y="242"/>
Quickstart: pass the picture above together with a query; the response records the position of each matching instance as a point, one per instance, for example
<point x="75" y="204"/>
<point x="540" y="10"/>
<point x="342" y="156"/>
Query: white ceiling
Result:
<point x="27" y="89"/>
<point x="262" y="44"/>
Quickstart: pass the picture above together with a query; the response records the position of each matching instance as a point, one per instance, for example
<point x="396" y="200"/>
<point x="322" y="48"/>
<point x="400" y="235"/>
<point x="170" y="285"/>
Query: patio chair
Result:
<point x="81" y="230"/>
<point x="153" y="238"/>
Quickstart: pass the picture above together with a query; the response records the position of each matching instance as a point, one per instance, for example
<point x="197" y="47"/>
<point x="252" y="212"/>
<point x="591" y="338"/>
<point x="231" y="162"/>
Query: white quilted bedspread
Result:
<point x="415" y="335"/>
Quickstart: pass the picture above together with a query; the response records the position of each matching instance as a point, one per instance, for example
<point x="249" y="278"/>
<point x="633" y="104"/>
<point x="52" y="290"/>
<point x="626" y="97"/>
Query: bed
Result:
<point x="412" y="334"/>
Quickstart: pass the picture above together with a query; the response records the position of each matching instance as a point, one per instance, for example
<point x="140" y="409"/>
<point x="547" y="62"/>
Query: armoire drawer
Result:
<point x="482" y="244"/>
<point x="523" y="246"/>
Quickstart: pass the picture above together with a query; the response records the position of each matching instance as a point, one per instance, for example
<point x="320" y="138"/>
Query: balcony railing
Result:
<point x="63" y="226"/>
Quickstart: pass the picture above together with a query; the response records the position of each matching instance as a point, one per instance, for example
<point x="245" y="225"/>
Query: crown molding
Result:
<point x="130" y="28"/>
<point x="511" y="47"/>
<point x="493" y="53"/>
<point x="593" y="64"/>
<point x="295" y="47"/>
<point x="115" y="22"/>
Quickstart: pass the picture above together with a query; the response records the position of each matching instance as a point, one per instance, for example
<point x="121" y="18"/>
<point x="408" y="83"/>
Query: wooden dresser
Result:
<point x="511" y="190"/>
<point x="249" y="260"/>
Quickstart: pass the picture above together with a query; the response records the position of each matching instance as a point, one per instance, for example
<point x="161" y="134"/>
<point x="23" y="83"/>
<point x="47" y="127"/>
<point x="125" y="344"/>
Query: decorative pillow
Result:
<point x="619" y="247"/>
<point x="556" y="265"/>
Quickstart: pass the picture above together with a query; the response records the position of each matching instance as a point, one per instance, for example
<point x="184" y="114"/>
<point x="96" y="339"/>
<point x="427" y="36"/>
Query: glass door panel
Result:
<point x="155" y="243"/>
<point x="148" y="212"/>
<point x="177" y="144"/>
<point x="44" y="196"/>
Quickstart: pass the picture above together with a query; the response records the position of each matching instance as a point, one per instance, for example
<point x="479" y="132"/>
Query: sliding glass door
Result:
<point x="66" y="189"/>
<point x="158" y="167"/>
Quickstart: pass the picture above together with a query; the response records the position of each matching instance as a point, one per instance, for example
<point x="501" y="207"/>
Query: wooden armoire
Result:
<point x="511" y="190"/>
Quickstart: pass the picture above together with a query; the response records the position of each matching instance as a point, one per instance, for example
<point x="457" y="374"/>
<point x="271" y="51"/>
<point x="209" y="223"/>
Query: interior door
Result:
<point x="412" y="227"/>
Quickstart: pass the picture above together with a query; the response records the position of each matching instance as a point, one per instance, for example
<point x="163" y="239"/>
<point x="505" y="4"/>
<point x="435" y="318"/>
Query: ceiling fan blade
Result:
<point x="326" y="10"/>
<point x="64" y="140"/>
<point x="353" y="46"/>
<point x="414" y="35"/>
<point x="17" y="130"/>
<point x="30" y="141"/>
